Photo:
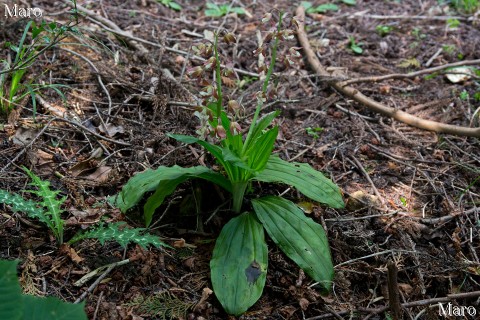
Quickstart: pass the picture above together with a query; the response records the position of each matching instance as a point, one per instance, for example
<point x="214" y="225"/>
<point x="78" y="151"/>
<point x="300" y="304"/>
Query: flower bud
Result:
<point x="229" y="38"/>
<point x="207" y="91"/>
<point x="210" y="63"/>
<point x="195" y="72"/>
<point x="258" y="51"/>
<point x="294" y="22"/>
<point x="220" y="132"/>
<point x="266" y="17"/>
<point x="261" y="97"/>
<point x="233" y="106"/>
<point x="268" y="37"/>
<point x="288" y="61"/>
<point x="235" y="127"/>
<point x="294" y="53"/>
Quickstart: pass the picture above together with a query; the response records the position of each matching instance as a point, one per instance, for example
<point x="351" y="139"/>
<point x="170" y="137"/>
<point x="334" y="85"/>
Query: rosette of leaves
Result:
<point x="240" y="260"/>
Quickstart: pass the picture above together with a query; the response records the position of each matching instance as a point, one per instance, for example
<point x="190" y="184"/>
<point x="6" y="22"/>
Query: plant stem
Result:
<point x="218" y="78"/>
<point x="238" y="192"/>
<point x="265" y="84"/>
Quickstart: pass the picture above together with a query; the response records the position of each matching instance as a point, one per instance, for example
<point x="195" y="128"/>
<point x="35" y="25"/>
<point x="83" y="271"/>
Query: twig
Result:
<point x="393" y="297"/>
<point x="370" y="103"/>
<point x="100" y="278"/>
<point x="27" y="146"/>
<point x="90" y="275"/>
<point x="112" y="27"/>
<point x="99" y="78"/>
<point x="418" y="303"/>
<point x="411" y="74"/>
<point x="365" y="173"/>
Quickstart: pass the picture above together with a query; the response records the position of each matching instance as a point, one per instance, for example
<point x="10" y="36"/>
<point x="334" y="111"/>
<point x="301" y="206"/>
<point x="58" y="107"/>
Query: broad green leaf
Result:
<point x="306" y="4"/>
<point x="237" y="10"/>
<point x="239" y="264"/>
<point x="261" y="125"/>
<point x="175" y="6"/>
<point x="303" y="240"/>
<point x="213" y="12"/>
<point x="304" y="178"/>
<point x="326" y="7"/>
<point x="149" y="180"/>
<point x="213" y="149"/>
<point x="212" y="6"/>
<point x="16" y="306"/>
<point x="10" y="292"/>
<point x="261" y="150"/>
<point x="36" y="308"/>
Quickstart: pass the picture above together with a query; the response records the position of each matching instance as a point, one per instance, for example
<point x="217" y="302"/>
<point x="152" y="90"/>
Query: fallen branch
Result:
<point x="411" y="74"/>
<point x="370" y="103"/>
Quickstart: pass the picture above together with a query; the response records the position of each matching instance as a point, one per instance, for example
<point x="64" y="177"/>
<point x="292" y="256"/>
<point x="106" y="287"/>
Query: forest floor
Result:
<point x="412" y="196"/>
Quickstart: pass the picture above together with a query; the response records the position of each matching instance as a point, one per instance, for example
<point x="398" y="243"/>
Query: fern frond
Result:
<point x="117" y="232"/>
<point x="50" y="202"/>
<point x="18" y="204"/>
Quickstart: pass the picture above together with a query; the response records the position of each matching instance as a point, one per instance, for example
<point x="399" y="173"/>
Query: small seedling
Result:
<point x="453" y="23"/>
<point x="215" y="10"/>
<point x="323" y="8"/>
<point x="383" y="30"/>
<point x="464" y="96"/>
<point x="170" y="4"/>
<point x="449" y="48"/>
<point x="314" y="132"/>
<point x="350" y="2"/>
<point x="354" y="46"/>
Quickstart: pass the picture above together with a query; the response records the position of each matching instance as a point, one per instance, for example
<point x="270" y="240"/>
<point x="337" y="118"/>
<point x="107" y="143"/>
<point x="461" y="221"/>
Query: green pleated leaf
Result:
<point x="304" y="178"/>
<point x="261" y="151"/>
<point x="261" y="125"/>
<point x="16" y="306"/>
<point x="10" y="292"/>
<point x="36" y="308"/>
<point x="302" y="239"/>
<point x="239" y="264"/>
<point x="163" y="178"/>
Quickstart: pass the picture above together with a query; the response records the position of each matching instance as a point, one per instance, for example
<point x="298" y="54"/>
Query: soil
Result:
<point x="412" y="196"/>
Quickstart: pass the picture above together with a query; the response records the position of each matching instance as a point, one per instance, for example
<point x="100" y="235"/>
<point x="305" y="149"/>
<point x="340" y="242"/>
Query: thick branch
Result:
<point x="372" y="104"/>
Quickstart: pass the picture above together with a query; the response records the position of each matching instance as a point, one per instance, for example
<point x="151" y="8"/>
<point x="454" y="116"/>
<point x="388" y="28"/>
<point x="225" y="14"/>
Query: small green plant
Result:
<point x="170" y="4"/>
<point x="449" y="48"/>
<point x="453" y="23"/>
<point x="314" y="132"/>
<point x="417" y="33"/>
<point x="323" y="8"/>
<point x="350" y="2"/>
<point x="383" y="30"/>
<point x="466" y="6"/>
<point x="240" y="257"/>
<point x="17" y="306"/>
<point x="215" y="10"/>
<point x="14" y="84"/>
<point x="464" y="95"/>
<point x="354" y="46"/>
<point x="49" y="211"/>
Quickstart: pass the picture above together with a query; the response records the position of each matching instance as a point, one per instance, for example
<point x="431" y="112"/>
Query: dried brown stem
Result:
<point x="372" y="104"/>
<point x="411" y="74"/>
